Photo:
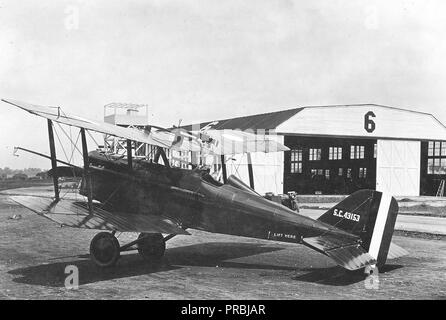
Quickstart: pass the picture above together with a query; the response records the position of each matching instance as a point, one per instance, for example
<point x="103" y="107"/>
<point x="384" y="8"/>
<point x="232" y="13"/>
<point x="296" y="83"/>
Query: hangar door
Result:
<point x="398" y="167"/>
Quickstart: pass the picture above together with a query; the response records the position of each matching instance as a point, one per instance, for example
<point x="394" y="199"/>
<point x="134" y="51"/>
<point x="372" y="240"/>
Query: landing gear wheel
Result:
<point x="104" y="250"/>
<point x="151" y="246"/>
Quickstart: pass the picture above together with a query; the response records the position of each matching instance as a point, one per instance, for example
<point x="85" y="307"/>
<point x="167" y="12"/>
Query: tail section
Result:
<point x="371" y="215"/>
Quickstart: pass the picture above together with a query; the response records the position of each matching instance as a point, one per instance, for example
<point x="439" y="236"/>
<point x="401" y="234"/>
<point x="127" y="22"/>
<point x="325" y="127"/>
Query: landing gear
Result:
<point x="105" y="250"/>
<point x="151" y="246"/>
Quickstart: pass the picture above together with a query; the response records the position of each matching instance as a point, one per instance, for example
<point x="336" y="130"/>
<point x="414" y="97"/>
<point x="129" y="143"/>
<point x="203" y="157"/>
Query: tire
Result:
<point x="152" y="246"/>
<point x="104" y="250"/>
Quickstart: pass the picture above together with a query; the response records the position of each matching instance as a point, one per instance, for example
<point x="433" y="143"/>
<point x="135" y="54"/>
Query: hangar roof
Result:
<point x="359" y="120"/>
<point x="270" y="120"/>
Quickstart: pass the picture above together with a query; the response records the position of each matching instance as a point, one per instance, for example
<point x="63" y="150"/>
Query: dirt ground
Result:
<point x="35" y="253"/>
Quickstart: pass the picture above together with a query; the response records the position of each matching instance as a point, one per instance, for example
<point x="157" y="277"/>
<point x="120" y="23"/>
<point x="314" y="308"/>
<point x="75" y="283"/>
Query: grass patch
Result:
<point x="14" y="184"/>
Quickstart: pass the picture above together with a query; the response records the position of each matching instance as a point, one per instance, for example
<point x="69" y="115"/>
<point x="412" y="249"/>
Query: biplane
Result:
<point x="125" y="194"/>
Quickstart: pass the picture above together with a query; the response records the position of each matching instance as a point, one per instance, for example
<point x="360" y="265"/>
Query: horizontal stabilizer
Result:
<point x="346" y="252"/>
<point x="75" y="214"/>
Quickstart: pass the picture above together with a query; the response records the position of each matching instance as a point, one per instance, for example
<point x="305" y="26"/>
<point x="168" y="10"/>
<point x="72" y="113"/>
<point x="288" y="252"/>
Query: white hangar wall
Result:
<point x="267" y="169"/>
<point x="356" y="121"/>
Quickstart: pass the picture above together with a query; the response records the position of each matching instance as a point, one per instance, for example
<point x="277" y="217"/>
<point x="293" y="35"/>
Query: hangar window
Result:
<point x="296" y="161"/>
<point x="362" y="173"/>
<point x="316" y="172"/>
<point x="327" y="174"/>
<point x="340" y="172"/>
<point x="335" y="153"/>
<point x="357" y="152"/>
<point x="436" y="165"/>
<point x="315" y="154"/>
<point x="375" y="150"/>
<point x="436" y="160"/>
<point x="349" y="173"/>
<point x="296" y="167"/>
<point x="436" y="149"/>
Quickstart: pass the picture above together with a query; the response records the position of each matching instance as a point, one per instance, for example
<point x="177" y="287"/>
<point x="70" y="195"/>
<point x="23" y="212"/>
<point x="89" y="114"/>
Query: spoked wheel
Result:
<point x="104" y="249"/>
<point x="151" y="246"/>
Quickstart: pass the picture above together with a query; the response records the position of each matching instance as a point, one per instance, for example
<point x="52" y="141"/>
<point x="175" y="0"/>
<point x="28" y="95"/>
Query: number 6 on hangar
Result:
<point x="369" y="124"/>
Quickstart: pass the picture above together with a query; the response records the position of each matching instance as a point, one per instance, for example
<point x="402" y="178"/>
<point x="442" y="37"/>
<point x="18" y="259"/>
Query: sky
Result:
<point x="198" y="60"/>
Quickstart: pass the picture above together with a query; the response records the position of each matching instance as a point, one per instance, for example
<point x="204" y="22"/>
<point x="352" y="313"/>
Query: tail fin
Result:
<point x="369" y="214"/>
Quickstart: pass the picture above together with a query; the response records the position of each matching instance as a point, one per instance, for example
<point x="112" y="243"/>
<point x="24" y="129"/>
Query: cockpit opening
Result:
<point x="205" y="176"/>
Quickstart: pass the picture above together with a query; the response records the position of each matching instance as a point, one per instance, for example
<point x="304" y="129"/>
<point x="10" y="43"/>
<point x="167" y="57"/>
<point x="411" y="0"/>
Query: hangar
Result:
<point x="338" y="149"/>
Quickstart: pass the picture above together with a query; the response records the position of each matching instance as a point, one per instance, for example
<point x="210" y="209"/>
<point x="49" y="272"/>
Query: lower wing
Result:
<point x="76" y="214"/>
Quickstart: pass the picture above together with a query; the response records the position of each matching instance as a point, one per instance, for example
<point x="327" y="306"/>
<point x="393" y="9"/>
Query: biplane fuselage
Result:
<point x="193" y="199"/>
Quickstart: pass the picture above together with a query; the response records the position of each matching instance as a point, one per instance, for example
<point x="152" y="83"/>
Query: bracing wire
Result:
<point x="72" y="143"/>
<point x="61" y="144"/>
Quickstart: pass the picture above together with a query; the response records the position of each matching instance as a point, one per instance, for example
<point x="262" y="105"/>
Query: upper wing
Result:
<point x="161" y="138"/>
<point x="219" y="142"/>
<point x="235" y="141"/>
<point x="75" y="214"/>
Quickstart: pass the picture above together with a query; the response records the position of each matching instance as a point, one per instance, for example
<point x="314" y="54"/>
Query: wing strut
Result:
<point x="160" y="152"/>
<point x="250" y="171"/>
<point x="53" y="159"/>
<point x="223" y="168"/>
<point x="87" y="176"/>
<point x="129" y="153"/>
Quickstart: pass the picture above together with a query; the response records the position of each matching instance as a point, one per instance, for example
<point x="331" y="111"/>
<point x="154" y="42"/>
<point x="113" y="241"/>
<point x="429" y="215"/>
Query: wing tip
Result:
<point x="7" y="100"/>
